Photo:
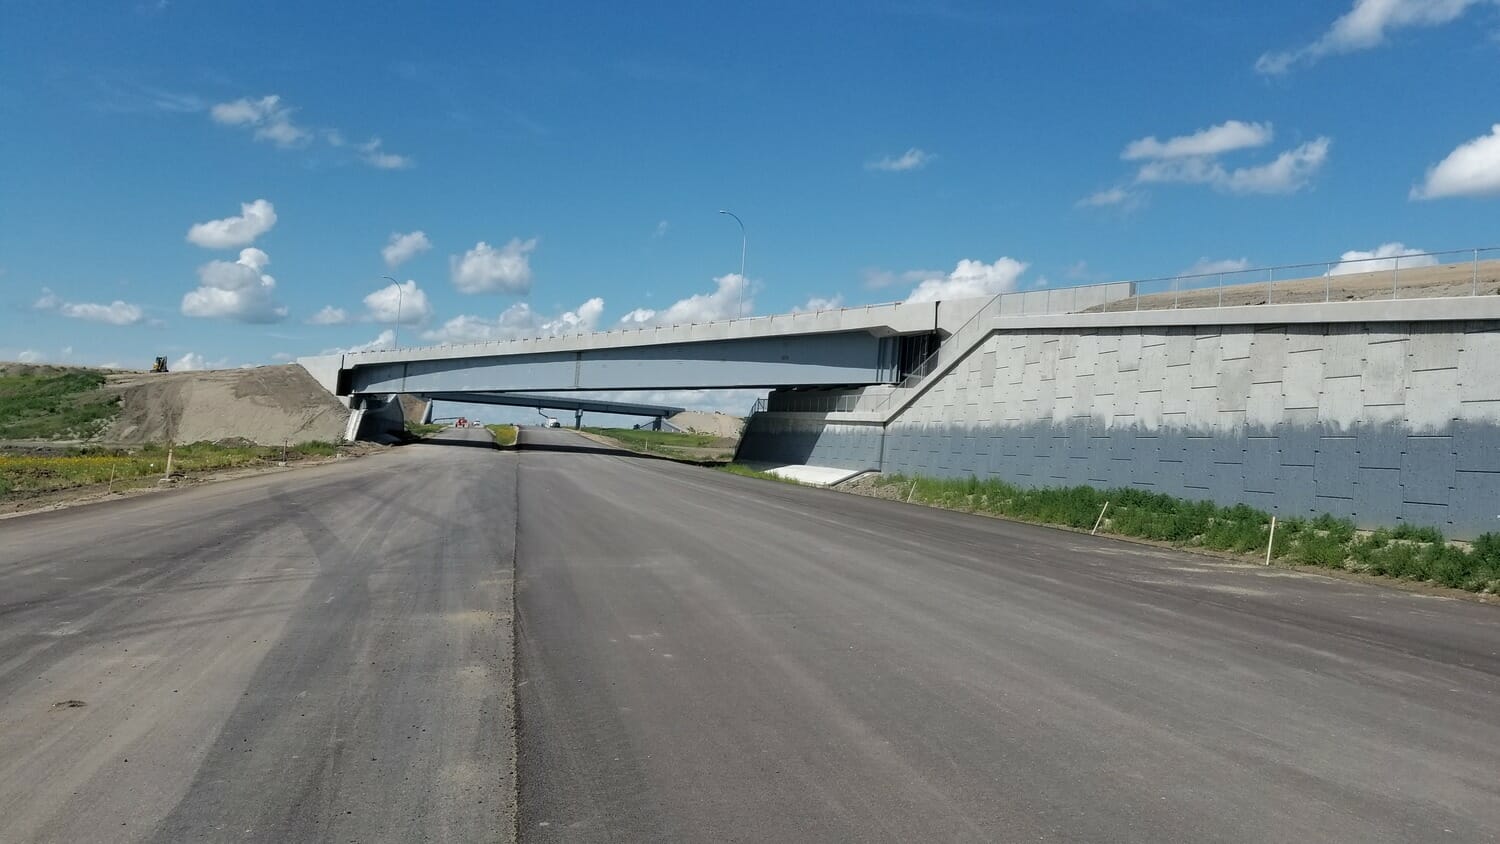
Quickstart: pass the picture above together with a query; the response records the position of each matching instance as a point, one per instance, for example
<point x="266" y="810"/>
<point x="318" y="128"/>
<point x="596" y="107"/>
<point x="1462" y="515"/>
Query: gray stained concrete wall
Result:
<point x="1383" y="422"/>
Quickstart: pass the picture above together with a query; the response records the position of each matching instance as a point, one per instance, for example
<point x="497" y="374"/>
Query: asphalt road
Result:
<point x="324" y="654"/>
<point x="704" y="657"/>
<point x="317" y="655"/>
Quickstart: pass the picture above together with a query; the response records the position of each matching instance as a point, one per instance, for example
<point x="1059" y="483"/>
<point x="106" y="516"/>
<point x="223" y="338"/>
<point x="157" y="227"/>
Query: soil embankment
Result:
<point x="267" y="405"/>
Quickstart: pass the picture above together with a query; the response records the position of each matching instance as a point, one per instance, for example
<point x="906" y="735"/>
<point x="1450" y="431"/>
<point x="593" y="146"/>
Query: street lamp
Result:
<point x="740" y="305"/>
<point x="396" y="327"/>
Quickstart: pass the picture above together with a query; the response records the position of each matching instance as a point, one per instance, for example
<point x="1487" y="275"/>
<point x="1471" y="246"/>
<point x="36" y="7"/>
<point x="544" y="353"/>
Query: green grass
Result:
<point x="673" y="444"/>
<point x="26" y="476"/>
<point x="423" y="429"/>
<point x="1405" y="551"/>
<point x="50" y="403"/>
<point x="505" y="435"/>
<point x="642" y="438"/>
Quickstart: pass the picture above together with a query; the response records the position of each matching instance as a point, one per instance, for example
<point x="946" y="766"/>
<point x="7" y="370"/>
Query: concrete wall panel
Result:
<point x="1383" y="423"/>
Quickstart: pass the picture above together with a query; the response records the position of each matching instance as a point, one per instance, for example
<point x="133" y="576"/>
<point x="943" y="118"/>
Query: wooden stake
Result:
<point x="1099" y="521"/>
<point x="1271" y="543"/>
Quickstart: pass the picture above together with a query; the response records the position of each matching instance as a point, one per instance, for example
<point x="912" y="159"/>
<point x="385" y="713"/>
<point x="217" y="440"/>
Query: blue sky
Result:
<point x="555" y="155"/>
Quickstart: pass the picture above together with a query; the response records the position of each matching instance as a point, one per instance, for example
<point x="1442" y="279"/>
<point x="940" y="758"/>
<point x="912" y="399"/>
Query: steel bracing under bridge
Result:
<point x="579" y="405"/>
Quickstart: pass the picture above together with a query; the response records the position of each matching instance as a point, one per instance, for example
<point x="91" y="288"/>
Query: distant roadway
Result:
<point x="325" y="654"/>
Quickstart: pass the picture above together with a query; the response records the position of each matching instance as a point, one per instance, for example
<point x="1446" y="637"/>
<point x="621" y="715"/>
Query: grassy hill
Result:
<point x="53" y="402"/>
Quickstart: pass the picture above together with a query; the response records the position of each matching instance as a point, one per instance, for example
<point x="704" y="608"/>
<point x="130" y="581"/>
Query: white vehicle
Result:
<point x="553" y="423"/>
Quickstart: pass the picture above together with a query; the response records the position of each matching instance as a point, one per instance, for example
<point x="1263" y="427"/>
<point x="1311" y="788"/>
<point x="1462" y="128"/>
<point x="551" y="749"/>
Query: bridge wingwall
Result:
<point x="1343" y="409"/>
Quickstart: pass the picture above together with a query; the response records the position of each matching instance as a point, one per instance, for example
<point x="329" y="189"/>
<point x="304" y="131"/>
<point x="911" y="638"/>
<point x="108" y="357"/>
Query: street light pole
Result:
<point x="396" y="327"/>
<point x="744" y="241"/>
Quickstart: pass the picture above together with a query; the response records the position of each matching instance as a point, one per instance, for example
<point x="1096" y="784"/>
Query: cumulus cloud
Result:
<point x="1473" y="169"/>
<point x="372" y="153"/>
<point x="194" y="362"/>
<point x="405" y="301"/>
<point x="820" y="303"/>
<point x="971" y="279"/>
<point x="485" y="269"/>
<point x="236" y="290"/>
<point x="403" y="247"/>
<point x="384" y="340"/>
<point x="1215" y="140"/>
<point x="912" y="159"/>
<point x="729" y="299"/>
<point x="1386" y="256"/>
<point x="255" y="219"/>
<point x="115" y="313"/>
<point x="30" y="356"/>
<point x="519" y="322"/>
<point x="1366" y="25"/>
<point x="271" y="120"/>
<point x="329" y="316"/>
<point x="1288" y="173"/>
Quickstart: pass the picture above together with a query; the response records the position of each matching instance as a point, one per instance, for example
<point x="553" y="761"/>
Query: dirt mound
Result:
<point x="266" y="405"/>
<point x="718" y="424"/>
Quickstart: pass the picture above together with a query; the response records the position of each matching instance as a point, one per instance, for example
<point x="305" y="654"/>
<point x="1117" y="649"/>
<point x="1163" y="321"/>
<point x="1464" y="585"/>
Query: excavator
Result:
<point x="160" y="365"/>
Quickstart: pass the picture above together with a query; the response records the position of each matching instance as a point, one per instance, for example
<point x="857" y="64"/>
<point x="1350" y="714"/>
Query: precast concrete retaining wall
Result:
<point x="1381" y="422"/>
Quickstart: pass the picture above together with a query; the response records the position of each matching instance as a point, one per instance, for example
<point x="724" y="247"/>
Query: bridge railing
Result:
<point x="1392" y="273"/>
<point x="1402" y="274"/>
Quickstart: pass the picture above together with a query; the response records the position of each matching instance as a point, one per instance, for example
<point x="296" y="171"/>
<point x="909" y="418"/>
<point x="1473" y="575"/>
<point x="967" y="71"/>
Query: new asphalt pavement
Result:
<point x="326" y="654"/>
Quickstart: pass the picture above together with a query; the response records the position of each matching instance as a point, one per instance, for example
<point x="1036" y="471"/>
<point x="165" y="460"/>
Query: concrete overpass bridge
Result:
<point x="843" y="348"/>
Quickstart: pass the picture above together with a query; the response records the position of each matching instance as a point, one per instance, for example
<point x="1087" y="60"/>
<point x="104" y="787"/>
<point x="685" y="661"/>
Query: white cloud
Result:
<point x="820" y="303"/>
<point x="1288" y="173"/>
<point x="329" y="316"/>
<point x="235" y="290"/>
<point x="403" y="247"/>
<point x="282" y="357"/>
<point x="1210" y="266"/>
<point x="1215" y="140"/>
<point x="518" y="322"/>
<point x="662" y="226"/>
<point x="1383" y="257"/>
<point x="1473" y="169"/>
<point x="971" y="279"/>
<point x="729" y="299"/>
<point x="1364" y="26"/>
<point x="271" y="120"/>
<point x="194" y="362"/>
<point x="1122" y="198"/>
<point x="912" y="159"/>
<point x="406" y="301"/>
<point x="256" y="218"/>
<point x="370" y="152"/>
<point x="384" y="340"/>
<point x="115" y="313"/>
<point x="30" y="356"/>
<point x="485" y="269"/>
